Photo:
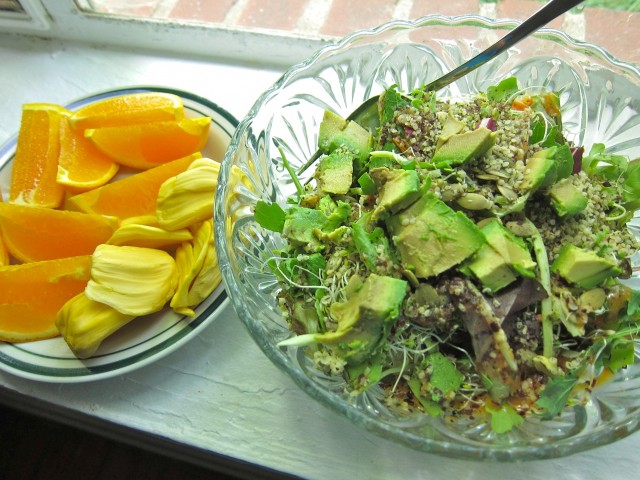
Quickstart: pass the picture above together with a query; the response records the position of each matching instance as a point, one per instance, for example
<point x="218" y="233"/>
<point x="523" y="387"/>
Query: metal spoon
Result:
<point x="550" y="11"/>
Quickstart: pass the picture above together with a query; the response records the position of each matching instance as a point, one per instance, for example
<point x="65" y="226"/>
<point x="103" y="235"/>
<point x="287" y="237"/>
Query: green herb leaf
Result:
<point x="366" y="183"/>
<point x="555" y="395"/>
<point x="631" y="185"/>
<point x="619" y="354"/>
<point x="431" y="407"/>
<point x="392" y="100"/>
<point x="270" y="216"/>
<point x="445" y="377"/>
<point x="504" y="418"/>
<point x="503" y="90"/>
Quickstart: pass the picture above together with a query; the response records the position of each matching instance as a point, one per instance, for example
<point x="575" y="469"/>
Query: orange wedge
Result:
<point x="4" y="253"/>
<point x="147" y="145"/>
<point x="34" y="234"/>
<point x="128" y="109"/>
<point x="81" y="166"/>
<point x="132" y="196"/>
<point x="32" y="293"/>
<point x="35" y="165"/>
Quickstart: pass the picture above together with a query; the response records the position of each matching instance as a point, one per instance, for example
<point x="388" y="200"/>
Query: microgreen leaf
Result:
<point x="503" y="418"/>
<point x="619" y="354"/>
<point x="392" y="100"/>
<point x="270" y="216"/>
<point x="555" y="394"/>
<point x="503" y="90"/>
<point x="444" y="377"/>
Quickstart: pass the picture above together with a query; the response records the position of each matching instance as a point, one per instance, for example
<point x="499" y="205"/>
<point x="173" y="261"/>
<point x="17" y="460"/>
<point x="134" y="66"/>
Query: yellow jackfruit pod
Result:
<point x="198" y="272"/>
<point x="187" y="198"/>
<point x="84" y="324"/>
<point x="4" y="253"/>
<point x="133" y="280"/>
<point x="149" y="220"/>
<point x="149" y="237"/>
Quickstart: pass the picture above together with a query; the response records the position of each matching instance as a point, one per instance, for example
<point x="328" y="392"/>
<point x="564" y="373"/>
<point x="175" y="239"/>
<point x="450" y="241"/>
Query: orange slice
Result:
<point x="35" y="165"/>
<point x="32" y="293"/>
<point x="128" y="109"/>
<point x="131" y="196"/>
<point x="81" y="166"/>
<point x="34" y="234"/>
<point x="4" y="253"/>
<point x="146" y="145"/>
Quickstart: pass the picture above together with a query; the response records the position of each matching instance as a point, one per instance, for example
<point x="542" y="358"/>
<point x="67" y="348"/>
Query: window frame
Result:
<point x="227" y="43"/>
<point x="34" y="18"/>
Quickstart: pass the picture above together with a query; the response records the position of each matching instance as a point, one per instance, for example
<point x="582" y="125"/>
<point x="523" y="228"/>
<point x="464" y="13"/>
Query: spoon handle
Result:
<point x="543" y="16"/>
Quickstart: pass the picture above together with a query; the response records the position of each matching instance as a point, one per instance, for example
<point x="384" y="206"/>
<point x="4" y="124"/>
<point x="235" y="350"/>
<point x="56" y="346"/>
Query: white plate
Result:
<point x="146" y="339"/>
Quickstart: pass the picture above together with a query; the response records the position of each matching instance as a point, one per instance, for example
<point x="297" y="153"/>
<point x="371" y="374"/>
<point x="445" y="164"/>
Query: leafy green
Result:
<point x="618" y="354"/>
<point x="431" y="407"/>
<point x="503" y="90"/>
<point x="444" y="378"/>
<point x="270" y="216"/>
<point x="606" y="165"/>
<point x="556" y="393"/>
<point x="366" y="183"/>
<point x="631" y="185"/>
<point x="504" y="418"/>
<point x="392" y="100"/>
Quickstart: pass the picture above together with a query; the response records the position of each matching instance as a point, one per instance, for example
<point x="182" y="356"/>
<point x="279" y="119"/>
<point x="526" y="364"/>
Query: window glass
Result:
<point x="612" y="24"/>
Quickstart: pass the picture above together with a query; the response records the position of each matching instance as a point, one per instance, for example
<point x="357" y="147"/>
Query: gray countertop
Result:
<point x="219" y="394"/>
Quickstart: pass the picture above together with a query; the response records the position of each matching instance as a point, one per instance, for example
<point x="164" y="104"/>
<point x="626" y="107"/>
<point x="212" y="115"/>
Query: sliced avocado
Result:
<point x="463" y="147"/>
<point x="397" y="189"/>
<point x="335" y="172"/>
<point x="511" y="248"/>
<point x="547" y="166"/>
<point x="299" y="223"/>
<point x="491" y="269"/>
<point x="536" y="170"/>
<point x="336" y="132"/>
<point x="583" y="267"/>
<point x="452" y="126"/>
<point x="365" y="318"/>
<point x="566" y="199"/>
<point x="431" y="237"/>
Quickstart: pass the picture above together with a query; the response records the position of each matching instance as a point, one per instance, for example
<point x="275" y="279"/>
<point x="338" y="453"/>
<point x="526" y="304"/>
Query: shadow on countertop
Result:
<point x="34" y="448"/>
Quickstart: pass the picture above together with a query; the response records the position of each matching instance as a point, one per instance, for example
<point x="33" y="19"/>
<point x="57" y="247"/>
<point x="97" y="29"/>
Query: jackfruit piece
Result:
<point x="149" y="220"/>
<point x="198" y="271"/>
<point x="133" y="280"/>
<point x="84" y="324"/>
<point x="147" y="236"/>
<point x="187" y="198"/>
<point x="4" y="253"/>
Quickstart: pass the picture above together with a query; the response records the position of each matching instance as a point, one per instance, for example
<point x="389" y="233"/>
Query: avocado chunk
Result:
<point x="547" y="166"/>
<point x="566" y="199"/>
<point x="366" y="317"/>
<point x="431" y="237"/>
<point x="452" y="126"/>
<point x="491" y="269"/>
<point x="511" y="248"/>
<point x="463" y="147"/>
<point x="584" y="268"/>
<point x="336" y="132"/>
<point x="302" y="225"/>
<point x="536" y="170"/>
<point x="335" y="172"/>
<point x="299" y="223"/>
<point x="502" y="260"/>
<point x="397" y="189"/>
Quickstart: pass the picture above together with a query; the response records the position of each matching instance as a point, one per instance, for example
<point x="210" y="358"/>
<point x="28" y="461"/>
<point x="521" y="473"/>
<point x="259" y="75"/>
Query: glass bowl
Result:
<point x="600" y="96"/>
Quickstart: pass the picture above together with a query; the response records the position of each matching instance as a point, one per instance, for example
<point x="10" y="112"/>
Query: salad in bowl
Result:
<point x="457" y="272"/>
